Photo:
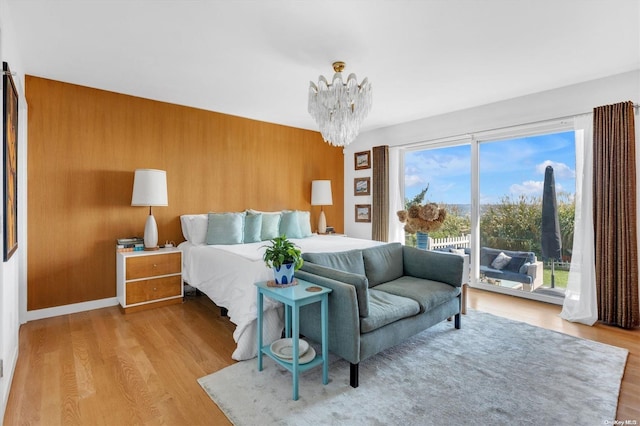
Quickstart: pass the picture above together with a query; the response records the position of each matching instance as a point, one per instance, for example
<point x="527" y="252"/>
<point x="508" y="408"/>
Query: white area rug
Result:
<point x="492" y="371"/>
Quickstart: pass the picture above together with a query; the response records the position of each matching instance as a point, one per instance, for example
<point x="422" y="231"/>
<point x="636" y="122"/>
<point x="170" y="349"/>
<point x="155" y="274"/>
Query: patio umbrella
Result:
<point x="551" y="239"/>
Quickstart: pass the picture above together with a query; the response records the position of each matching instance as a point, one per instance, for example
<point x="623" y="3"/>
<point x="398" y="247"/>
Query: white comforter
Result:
<point x="227" y="273"/>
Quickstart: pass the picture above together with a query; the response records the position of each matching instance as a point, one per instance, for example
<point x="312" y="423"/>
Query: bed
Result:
<point x="226" y="272"/>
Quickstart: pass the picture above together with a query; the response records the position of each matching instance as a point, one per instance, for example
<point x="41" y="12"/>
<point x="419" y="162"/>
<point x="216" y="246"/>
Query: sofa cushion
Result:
<point x="500" y="261"/>
<point x="359" y="281"/>
<point x="488" y="254"/>
<point x="515" y="264"/>
<point x="506" y="275"/>
<point x="383" y="263"/>
<point x="348" y="261"/>
<point x="524" y="269"/>
<point x="427" y="293"/>
<point x="385" y="308"/>
<point x="433" y="265"/>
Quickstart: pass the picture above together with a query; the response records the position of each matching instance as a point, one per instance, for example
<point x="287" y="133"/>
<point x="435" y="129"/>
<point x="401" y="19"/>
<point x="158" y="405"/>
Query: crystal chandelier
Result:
<point x="339" y="108"/>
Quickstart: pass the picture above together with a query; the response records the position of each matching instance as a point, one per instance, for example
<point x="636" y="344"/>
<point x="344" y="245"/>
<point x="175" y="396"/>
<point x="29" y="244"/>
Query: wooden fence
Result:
<point x="463" y="241"/>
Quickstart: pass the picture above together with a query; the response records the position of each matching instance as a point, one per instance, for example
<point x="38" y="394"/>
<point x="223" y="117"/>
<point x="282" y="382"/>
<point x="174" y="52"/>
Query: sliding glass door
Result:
<point x="492" y="187"/>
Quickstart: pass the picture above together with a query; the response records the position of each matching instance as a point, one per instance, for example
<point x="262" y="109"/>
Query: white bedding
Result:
<point x="226" y="274"/>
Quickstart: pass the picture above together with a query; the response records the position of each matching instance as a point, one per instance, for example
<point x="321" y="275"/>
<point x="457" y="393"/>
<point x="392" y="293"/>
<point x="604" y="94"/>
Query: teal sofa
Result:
<point x="381" y="296"/>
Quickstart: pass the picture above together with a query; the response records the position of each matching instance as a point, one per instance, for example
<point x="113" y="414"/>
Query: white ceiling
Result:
<point x="255" y="58"/>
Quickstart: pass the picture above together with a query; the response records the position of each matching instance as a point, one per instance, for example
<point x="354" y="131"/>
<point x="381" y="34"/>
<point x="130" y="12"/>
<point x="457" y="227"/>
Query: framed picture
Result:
<point x="10" y="139"/>
<point x="363" y="212"/>
<point x="362" y="186"/>
<point x="363" y="160"/>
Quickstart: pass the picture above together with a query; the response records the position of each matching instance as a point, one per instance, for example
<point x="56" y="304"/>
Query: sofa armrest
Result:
<point x="535" y="271"/>
<point x="434" y="265"/>
<point x="344" y="319"/>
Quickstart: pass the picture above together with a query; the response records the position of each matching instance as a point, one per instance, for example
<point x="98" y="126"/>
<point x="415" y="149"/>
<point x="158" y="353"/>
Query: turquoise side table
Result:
<point x="293" y="298"/>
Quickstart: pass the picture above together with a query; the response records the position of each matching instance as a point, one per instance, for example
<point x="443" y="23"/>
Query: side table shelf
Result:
<point x="293" y="298"/>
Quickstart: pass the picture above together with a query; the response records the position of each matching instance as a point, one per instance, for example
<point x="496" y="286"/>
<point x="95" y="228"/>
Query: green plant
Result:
<point x="282" y="251"/>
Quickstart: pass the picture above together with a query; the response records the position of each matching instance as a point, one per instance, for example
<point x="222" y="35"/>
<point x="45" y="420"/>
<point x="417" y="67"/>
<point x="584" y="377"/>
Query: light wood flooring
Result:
<point x="105" y="368"/>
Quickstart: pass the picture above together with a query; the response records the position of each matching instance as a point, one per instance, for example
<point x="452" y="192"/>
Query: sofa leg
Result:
<point x="457" y="321"/>
<point x="353" y="375"/>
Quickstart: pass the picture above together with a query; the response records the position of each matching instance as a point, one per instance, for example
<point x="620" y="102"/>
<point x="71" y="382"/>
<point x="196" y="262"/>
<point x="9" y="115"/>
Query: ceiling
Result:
<point x="255" y="58"/>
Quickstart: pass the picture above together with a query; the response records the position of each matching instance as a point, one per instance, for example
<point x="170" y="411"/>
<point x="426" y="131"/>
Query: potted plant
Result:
<point x="420" y="219"/>
<point x="284" y="257"/>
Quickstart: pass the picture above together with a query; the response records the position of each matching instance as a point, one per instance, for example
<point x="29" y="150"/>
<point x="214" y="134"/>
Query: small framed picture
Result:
<point x="362" y="186"/>
<point x="363" y="212"/>
<point x="363" y="160"/>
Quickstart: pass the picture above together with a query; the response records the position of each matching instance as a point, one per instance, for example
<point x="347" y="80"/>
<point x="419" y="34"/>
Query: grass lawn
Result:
<point x="562" y="277"/>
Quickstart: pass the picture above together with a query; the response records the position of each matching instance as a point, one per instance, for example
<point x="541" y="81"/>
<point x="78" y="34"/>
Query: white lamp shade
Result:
<point x="321" y="193"/>
<point x="149" y="188"/>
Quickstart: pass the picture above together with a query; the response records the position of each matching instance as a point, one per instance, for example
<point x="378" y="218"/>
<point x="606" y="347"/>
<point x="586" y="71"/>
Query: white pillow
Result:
<point x="500" y="261"/>
<point x="194" y="227"/>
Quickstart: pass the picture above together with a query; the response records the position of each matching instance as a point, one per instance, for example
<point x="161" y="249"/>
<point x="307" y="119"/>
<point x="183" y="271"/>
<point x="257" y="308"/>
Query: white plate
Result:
<point x="308" y="356"/>
<point x="283" y="348"/>
<point x="304" y="359"/>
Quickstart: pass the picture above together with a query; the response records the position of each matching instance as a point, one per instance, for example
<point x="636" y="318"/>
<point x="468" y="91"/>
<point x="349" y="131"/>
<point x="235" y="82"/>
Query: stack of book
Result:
<point x="130" y="244"/>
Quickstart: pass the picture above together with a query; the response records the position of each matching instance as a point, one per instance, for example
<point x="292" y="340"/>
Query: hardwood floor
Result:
<point x="104" y="368"/>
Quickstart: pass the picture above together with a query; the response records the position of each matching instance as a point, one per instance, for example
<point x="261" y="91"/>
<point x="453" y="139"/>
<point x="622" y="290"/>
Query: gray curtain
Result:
<point x="380" y="188"/>
<point x="614" y="214"/>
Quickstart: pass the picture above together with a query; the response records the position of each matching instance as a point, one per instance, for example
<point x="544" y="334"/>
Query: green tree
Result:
<point x="418" y="199"/>
<point x="515" y="224"/>
<point x="455" y="225"/>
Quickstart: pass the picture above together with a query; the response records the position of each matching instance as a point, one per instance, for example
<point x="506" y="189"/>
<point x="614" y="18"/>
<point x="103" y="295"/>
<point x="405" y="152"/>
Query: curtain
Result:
<point x="580" y="303"/>
<point x="380" y="192"/>
<point x="396" y="195"/>
<point x="614" y="215"/>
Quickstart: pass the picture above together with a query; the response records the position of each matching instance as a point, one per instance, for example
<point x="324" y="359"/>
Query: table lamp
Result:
<point x="150" y="189"/>
<point x="321" y="196"/>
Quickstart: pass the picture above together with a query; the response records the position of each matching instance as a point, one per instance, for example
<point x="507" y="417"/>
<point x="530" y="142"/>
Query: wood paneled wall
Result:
<point x="83" y="147"/>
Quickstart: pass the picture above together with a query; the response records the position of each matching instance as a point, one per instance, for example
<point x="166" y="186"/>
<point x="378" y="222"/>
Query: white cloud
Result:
<point x="412" y="180"/>
<point x="530" y="187"/>
<point x="560" y="170"/>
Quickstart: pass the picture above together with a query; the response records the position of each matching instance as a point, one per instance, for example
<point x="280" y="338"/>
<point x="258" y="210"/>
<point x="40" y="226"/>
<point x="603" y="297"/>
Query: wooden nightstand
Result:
<point x="149" y="279"/>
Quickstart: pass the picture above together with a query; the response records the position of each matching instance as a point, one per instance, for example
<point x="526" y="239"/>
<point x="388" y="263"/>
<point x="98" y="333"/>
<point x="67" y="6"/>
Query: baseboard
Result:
<point x="70" y="309"/>
<point x="9" y="369"/>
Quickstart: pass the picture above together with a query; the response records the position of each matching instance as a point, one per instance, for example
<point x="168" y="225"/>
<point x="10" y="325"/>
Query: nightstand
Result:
<point x="149" y="279"/>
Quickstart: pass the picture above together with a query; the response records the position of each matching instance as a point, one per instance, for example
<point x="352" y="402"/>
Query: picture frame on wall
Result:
<point x="10" y="140"/>
<point x="362" y="186"/>
<point x="362" y="160"/>
<point x="363" y="212"/>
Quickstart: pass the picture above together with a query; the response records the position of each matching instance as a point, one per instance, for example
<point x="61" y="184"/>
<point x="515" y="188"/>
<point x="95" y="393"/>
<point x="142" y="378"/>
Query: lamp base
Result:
<point x="322" y="223"/>
<point x="151" y="234"/>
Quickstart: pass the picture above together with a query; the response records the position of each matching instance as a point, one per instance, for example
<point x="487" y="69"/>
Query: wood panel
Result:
<point x="84" y="145"/>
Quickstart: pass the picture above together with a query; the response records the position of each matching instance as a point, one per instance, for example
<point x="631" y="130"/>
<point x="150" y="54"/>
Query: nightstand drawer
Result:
<point x="153" y="289"/>
<point x="153" y="266"/>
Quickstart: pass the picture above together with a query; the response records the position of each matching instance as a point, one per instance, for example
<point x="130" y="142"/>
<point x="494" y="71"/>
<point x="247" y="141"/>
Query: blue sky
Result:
<point x="510" y="167"/>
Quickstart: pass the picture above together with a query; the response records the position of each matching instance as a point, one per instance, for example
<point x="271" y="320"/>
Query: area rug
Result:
<point x="492" y="371"/>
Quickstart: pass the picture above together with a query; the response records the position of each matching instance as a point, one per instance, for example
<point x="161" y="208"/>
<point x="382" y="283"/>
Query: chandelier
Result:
<point x="339" y="108"/>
